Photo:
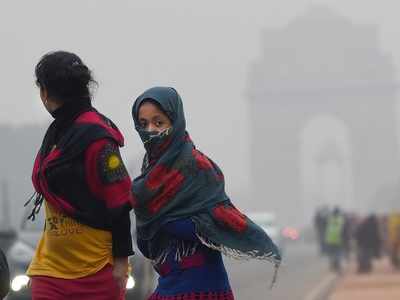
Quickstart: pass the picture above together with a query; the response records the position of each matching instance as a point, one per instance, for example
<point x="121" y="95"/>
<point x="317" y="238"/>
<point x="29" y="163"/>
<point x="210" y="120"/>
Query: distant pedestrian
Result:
<point x="394" y="238"/>
<point x="320" y="222"/>
<point x="368" y="243"/>
<point x="334" y="239"/>
<point x="347" y="236"/>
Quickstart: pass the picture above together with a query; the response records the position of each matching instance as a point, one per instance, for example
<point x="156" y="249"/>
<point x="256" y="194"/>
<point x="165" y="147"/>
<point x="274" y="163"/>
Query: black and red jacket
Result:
<point x="83" y="176"/>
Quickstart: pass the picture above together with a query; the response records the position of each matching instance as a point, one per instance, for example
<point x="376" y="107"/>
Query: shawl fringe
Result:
<point x="183" y="249"/>
<point x="240" y="255"/>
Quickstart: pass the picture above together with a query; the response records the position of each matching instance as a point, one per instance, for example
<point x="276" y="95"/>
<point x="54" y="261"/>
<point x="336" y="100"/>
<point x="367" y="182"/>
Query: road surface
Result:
<point x="301" y="274"/>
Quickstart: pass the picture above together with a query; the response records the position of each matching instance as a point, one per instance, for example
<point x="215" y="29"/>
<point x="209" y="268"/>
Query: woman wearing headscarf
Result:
<point x="184" y="219"/>
<point x="80" y="178"/>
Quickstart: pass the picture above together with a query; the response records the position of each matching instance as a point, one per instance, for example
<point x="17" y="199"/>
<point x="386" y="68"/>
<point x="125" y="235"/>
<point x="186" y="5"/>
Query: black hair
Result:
<point x="64" y="76"/>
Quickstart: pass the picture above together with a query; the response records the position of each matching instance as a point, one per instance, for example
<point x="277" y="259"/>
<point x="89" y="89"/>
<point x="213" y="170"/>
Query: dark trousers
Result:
<point x="365" y="260"/>
<point x="335" y="257"/>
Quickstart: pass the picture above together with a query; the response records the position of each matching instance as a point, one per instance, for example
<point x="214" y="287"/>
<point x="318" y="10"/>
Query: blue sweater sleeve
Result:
<point x="182" y="229"/>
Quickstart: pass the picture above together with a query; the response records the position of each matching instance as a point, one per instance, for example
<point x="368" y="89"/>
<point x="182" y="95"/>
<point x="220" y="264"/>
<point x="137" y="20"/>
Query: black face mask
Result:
<point x="153" y="140"/>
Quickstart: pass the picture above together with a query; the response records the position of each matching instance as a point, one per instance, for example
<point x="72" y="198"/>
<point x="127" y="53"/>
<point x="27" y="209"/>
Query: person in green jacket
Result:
<point x="334" y="238"/>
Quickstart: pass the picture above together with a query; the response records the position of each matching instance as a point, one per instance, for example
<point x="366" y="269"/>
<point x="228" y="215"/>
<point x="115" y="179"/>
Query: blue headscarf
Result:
<point x="178" y="181"/>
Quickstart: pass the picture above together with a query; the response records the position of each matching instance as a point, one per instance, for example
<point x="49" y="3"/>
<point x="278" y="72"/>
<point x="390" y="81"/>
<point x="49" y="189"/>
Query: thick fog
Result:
<point x="251" y="74"/>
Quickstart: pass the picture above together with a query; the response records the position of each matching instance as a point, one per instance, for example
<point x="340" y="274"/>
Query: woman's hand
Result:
<point x="120" y="271"/>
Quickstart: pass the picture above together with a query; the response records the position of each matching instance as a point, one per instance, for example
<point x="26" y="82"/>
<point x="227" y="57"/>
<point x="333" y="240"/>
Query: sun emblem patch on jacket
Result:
<point x="111" y="167"/>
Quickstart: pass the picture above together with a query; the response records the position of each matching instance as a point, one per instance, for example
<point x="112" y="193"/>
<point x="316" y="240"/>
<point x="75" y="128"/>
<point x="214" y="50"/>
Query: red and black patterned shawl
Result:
<point x="59" y="176"/>
<point x="180" y="182"/>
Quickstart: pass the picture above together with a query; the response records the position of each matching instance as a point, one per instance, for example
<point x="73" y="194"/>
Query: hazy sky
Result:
<point x="203" y="48"/>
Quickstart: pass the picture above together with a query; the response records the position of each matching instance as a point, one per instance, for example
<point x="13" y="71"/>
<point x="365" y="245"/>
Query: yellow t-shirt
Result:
<point x="69" y="249"/>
